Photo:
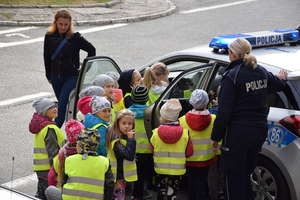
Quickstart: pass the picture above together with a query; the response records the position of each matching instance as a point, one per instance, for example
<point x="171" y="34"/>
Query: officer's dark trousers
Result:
<point x="62" y="87"/>
<point x="239" y="152"/>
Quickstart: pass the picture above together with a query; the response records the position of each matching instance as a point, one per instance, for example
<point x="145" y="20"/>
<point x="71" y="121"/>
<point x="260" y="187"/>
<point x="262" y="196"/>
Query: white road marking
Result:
<point x="17" y="34"/>
<point x="17" y="30"/>
<point x="24" y="99"/>
<point x="40" y="39"/>
<point x="216" y="7"/>
<point x="26" y="180"/>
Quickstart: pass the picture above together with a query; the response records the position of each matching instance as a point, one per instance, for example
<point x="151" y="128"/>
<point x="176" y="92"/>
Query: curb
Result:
<point x="172" y="9"/>
<point x="89" y="5"/>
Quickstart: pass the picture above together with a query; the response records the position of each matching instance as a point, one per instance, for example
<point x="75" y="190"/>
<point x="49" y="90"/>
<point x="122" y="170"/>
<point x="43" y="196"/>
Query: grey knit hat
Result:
<point x="199" y="99"/>
<point x="92" y="91"/>
<point x="139" y="94"/>
<point x="41" y="105"/>
<point x="171" y="110"/>
<point x="99" y="103"/>
<point x="115" y="76"/>
<point x="102" y="80"/>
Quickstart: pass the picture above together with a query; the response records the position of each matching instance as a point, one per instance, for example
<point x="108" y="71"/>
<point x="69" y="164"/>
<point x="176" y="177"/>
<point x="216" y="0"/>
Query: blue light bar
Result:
<point x="257" y="39"/>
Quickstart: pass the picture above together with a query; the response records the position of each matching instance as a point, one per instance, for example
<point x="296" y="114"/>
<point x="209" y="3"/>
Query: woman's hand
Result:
<point x="282" y="74"/>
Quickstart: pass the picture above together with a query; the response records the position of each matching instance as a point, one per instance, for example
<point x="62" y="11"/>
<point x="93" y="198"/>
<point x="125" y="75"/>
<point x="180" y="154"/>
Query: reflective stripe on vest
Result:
<point x="169" y="159"/>
<point x="80" y="193"/>
<point x="142" y="141"/>
<point x="86" y="178"/>
<point x="129" y="167"/>
<point x="40" y="154"/>
<point x="202" y="144"/>
<point x="96" y="126"/>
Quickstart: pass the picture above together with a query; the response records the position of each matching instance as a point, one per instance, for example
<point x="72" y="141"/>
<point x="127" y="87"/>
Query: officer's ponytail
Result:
<point x="250" y="61"/>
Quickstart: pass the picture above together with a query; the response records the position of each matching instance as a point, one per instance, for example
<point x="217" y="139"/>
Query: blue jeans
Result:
<point x="62" y="87"/>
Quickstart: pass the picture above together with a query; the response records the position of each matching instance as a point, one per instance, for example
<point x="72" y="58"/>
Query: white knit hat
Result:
<point x="170" y="110"/>
<point x="99" y="103"/>
<point x="92" y="91"/>
<point x="199" y="99"/>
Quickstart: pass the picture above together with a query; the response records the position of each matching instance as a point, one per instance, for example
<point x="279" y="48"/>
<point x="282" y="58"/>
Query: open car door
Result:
<point x="91" y="67"/>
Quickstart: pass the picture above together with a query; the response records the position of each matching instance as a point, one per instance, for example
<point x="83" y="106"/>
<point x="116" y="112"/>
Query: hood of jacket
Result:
<point x="38" y="122"/>
<point x="170" y="133"/>
<point x="198" y="120"/>
<point x="138" y="110"/>
<point x="90" y="120"/>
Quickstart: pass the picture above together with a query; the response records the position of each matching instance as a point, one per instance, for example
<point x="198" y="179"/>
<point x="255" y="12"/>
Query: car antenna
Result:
<point x="12" y="172"/>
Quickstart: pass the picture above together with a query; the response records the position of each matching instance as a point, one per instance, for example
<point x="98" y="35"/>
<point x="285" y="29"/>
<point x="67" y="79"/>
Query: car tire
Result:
<point x="268" y="182"/>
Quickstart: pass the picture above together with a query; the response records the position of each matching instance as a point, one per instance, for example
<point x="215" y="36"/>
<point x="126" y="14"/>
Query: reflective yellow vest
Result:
<point x="202" y="144"/>
<point x="129" y="167"/>
<point x="152" y="97"/>
<point x="40" y="154"/>
<point x="169" y="159"/>
<point x="85" y="177"/>
<point x="142" y="141"/>
<point x="187" y="93"/>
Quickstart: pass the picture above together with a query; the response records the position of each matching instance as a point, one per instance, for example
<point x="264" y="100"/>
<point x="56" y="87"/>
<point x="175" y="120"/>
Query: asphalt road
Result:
<point x="132" y="45"/>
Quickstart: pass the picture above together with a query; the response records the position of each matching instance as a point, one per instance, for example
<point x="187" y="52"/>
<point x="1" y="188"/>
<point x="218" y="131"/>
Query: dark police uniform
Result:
<point x="241" y="123"/>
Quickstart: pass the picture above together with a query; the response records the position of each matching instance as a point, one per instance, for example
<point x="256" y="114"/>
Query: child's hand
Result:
<point x="130" y="134"/>
<point x="215" y="145"/>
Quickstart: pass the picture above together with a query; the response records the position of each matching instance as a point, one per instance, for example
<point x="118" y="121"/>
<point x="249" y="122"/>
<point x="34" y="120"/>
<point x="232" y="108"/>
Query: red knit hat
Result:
<point x="73" y="128"/>
<point x="83" y="105"/>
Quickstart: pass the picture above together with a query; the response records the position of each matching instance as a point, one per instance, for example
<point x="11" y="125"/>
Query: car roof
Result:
<point x="280" y="57"/>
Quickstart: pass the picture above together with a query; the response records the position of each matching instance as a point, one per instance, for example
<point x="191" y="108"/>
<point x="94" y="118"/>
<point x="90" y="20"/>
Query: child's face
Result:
<point x="136" y="78"/>
<point x="108" y="89"/>
<point x="163" y="77"/>
<point x="125" y="125"/>
<point x="51" y="113"/>
<point x="104" y="114"/>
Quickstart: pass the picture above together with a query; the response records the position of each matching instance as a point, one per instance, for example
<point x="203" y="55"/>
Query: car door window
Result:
<point x="182" y="87"/>
<point x="90" y="69"/>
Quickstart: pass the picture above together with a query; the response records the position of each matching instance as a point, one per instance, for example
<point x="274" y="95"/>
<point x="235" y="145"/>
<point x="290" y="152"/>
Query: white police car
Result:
<point x="277" y="174"/>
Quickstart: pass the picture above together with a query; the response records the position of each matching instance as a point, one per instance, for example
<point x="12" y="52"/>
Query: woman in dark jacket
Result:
<point x="241" y="122"/>
<point x="61" y="58"/>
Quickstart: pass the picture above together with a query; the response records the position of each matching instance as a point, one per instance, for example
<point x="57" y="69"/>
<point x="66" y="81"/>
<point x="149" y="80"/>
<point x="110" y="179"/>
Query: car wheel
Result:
<point x="268" y="182"/>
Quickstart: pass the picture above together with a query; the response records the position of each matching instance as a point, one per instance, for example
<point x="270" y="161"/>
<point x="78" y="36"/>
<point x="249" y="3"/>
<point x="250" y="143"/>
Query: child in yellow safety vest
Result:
<point x="171" y="146"/>
<point x="121" y="146"/>
<point x="99" y="119"/>
<point x="144" y="155"/>
<point x="48" y="139"/>
<point x="55" y="176"/>
<point x="156" y="80"/>
<point x="199" y="122"/>
<point x="128" y="79"/>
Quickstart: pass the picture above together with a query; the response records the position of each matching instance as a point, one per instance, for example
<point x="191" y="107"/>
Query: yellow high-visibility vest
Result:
<point x="152" y="97"/>
<point x="202" y="144"/>
<point x="142" y="141"/>
<point x="169" y="159"/>
<point x="129" y="167"/>
<point x="40" y="154"/>
<point x="86" y="178"/>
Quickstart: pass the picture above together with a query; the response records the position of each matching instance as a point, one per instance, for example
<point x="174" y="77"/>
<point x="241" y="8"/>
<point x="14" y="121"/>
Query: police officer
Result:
<point x="241" y="123"/>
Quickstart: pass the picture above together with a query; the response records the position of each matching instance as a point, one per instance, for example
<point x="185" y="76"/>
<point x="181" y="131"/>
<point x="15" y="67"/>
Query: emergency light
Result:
<point x="257" y="39"/>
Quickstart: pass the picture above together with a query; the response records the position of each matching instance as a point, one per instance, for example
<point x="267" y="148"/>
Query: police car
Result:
<point x="277" y="174"/>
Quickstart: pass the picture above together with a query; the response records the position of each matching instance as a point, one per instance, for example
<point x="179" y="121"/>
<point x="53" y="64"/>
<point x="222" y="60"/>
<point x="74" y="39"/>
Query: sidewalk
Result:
<point x="116" y="11"/>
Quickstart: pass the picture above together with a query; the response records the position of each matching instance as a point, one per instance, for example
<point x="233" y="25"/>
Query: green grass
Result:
<point x="49" y="2"/>
<point x="7" y="15"/>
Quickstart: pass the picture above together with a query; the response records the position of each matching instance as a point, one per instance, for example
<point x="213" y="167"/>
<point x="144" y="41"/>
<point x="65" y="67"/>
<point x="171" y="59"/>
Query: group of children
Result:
<point x="108" y="154"/>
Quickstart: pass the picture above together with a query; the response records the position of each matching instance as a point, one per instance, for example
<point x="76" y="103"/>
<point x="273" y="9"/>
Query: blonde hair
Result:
<point x="157" y="69"/>
<point x="114" y="131"/>
<point x="61" y="14"/>
<point x="242" y="48"/>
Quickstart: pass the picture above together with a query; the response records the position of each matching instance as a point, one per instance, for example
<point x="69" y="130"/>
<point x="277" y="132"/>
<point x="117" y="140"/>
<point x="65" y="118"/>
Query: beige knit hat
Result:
<point x="170" y="110"/>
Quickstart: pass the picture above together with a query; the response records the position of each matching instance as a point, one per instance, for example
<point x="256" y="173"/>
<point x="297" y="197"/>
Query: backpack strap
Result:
<point x="57" y="50"/>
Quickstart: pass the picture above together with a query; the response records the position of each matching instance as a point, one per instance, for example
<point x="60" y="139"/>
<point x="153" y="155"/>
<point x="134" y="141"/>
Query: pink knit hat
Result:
<point x="73" y="128"/>
<point x="83" y="105"/>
